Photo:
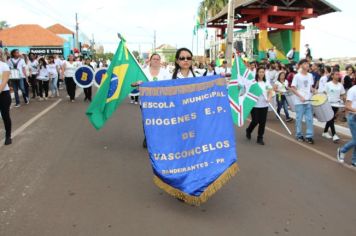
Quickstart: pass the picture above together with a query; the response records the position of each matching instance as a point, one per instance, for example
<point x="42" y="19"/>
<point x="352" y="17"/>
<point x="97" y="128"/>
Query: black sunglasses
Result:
<point x="185" y="58"/>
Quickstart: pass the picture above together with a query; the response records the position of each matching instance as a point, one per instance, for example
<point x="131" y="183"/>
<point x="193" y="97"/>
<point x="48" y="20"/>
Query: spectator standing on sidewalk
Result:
<point x="5" y="100"/>
<point x="17" y="75"/>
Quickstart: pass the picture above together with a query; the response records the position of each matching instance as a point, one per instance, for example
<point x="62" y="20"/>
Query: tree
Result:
<point x="4" y="25"/>
<point x="213" y="7"/>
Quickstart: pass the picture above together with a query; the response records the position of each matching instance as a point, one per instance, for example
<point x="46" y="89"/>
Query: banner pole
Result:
<point x="280" y="119"/>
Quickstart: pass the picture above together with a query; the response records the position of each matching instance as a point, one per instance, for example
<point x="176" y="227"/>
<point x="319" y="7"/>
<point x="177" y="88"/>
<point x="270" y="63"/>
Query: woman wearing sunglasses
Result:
<point x="183" y="64"/>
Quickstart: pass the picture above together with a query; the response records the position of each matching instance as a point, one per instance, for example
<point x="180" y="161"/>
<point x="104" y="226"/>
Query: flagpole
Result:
<point x="121" y="38"/>
<point x="280" y="119"/>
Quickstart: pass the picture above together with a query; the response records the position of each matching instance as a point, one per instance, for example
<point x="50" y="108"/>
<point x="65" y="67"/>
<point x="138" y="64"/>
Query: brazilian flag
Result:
<point x="115" y="87"/>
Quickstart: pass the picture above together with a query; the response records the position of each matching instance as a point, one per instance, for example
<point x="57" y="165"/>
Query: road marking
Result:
<point x="32" y="120"/>
<point x="310" y="148"/>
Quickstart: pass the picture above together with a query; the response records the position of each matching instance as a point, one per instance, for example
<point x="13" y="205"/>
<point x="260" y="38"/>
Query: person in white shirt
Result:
<point x="5" y="100"/>
<point x="290" y="55"/>
<point x="17" y="75"/>
<point x="210" y="70"/>
<point x="154" y="72"/>
<point x="53" y="71"/>
<point x="271" y="73"/>
<point x="43" y="78"/>
<point x="224" y="70"/>
<point x="259" y="112"/>
<point x="325" y="72"/>
<point x="33" y="75"/>
<point x="281" y="87"/>
<point x="351" y="120"/>
<point x="335" y="92"/>
<point x="69" y="67"/>
<point x="302" y="87"/>
<point x="272" y="54"/>
<point x="183" y="64"/>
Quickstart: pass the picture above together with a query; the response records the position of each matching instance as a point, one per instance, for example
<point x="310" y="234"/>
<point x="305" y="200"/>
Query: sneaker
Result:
<point x="131" y="102"/>
<point x="27" y="101"/>
<point x="8" y="141"/>
<point x="326" y="135"/>
<point x="336" y="138"/>
<point x="289" y="119"/>
<point x="353" y="164"/>
<point x="72" y="101"/>
<point x="57" y="93"/>
<point x="136" y="103"/>
<point x="46" y="98"/>
<point x="40" y="99"/>
<point x="309" y="140"/>
<point x="300" y="139"/>
<point x="340" y="155"/>
<point x="17" y="105"/>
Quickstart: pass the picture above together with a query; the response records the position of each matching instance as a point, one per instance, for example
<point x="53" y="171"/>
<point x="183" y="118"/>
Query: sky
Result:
<point x="329" y="36"/>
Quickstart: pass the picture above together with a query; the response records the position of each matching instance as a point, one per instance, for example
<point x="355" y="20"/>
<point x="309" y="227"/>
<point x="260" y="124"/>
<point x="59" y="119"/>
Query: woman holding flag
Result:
<point x="183" y="64"/>
<point x="259" y="112"/>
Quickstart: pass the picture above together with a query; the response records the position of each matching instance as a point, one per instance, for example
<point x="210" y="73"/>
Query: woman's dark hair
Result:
<point x="154" y="54"/>
<point x="42" y="62"/>
<point x="51" y="58"/>
<point x="12" y="53"/>
<point x="279" y="76"/>
<point x="348" y="67"/>
<point x="176" y="66"/>
<point x="328" y="69"/>
<point x="70" y="56"/>
<point x="258" y="70"/>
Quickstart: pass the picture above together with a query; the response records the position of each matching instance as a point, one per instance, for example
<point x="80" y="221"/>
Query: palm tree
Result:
<point x="213" y="7"/>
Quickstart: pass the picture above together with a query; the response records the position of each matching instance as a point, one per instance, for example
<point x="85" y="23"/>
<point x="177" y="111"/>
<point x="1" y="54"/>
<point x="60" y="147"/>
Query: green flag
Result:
<point x="244" y="92"/>
<point x="116" y="85"/>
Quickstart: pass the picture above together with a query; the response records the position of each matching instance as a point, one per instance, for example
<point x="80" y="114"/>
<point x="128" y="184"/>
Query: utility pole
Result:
<point x="154" y="41"/>
<point x="230" y="33"/>
<point x="76" y="31"/>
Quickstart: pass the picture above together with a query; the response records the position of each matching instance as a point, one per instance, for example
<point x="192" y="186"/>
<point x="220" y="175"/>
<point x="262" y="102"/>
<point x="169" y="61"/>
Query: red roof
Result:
<point x="59" y="29"/>
<point x="29" y="35"/>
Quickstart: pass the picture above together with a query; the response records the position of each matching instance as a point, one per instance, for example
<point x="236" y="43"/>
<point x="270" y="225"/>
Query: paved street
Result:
<point x="62" y="177"/>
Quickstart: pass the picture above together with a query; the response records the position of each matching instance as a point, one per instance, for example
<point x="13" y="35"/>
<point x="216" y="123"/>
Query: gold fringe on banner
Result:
<point x="209" y="191"/>
<point x="181" y="89"/>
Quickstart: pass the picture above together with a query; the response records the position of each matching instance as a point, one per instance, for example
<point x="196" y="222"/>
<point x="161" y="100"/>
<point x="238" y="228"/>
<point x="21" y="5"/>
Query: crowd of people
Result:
<point x="38" y="78"/>
<point x="45" y="75"/>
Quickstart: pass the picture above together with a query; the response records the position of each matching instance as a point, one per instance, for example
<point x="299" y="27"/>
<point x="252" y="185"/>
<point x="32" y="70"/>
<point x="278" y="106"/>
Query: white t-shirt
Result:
<point x="162" y="75"/>
<point x="43" y="74"/>
<point x="303" y="84"/>
<point x="20" y="65"/>
<point x="282" y="87"/>
<point x="4" y="67"/>
<point x="181" y="76"/>
<point x="222" y="70"/>
<point x="70" y="68"/>
<point x="52" y="70"/>
<point x="271" y="76"/>
<point x="334" y="91"/>
<point x="262" y="99"/>
<point x="34" y="67"/>
<point x="322" y="84"/>
<point x="351" y="96"/>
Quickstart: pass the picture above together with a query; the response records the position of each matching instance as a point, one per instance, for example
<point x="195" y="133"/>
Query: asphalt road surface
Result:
<point x="62" y="177"/>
